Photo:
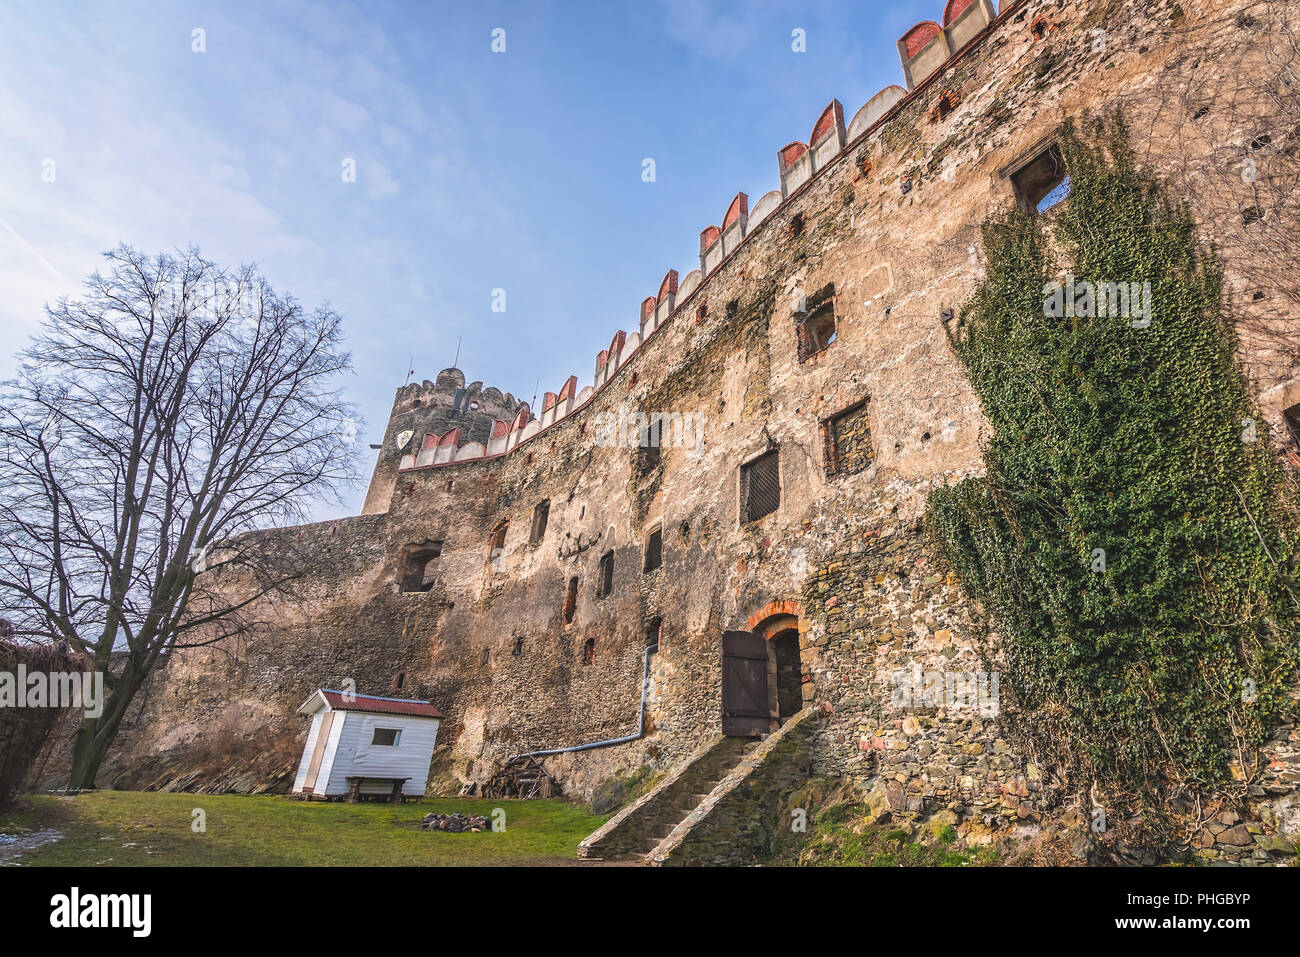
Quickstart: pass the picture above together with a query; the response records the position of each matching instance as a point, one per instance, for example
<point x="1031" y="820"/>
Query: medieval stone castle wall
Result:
<point x="522" y="636"/>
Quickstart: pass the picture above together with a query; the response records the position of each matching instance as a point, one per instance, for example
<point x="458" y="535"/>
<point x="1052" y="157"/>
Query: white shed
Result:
<point x="365" y="745"/>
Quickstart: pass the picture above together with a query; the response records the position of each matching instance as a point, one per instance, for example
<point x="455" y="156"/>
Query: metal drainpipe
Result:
<point x="640" y="729"/>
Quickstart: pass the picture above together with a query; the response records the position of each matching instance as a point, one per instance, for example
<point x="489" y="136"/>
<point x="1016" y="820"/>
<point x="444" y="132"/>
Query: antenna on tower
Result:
<point x="534" y="402"/>
<point x="410" y="365"/>
<point x="457" y="359"/>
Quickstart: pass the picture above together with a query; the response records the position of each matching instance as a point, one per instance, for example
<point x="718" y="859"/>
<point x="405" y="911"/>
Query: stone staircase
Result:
<point x="639" y="828"/>
<point x="717" y="807"/>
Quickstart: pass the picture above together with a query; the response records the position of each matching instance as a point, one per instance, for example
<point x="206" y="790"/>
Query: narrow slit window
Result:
<point x="648" y="453"/>
<point x="570" y="601"/>
<point x="541" y="515"/>
<point x="654" y="550"/>
<point x="605" y="579"/>
<point x="498" y="543"/>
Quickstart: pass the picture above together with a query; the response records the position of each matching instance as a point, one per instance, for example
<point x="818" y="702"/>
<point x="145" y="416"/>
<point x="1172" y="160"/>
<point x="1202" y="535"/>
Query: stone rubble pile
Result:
<point x="456" y="823"/>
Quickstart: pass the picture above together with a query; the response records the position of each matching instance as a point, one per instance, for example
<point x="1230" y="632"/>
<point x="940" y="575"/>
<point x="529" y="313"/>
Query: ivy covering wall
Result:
<point x="1134" y="541"/>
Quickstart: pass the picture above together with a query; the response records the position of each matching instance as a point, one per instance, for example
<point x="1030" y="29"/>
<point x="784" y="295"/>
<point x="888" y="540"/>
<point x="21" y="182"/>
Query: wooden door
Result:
<point x="318" y="752"/>
<point x="745" y="711"/>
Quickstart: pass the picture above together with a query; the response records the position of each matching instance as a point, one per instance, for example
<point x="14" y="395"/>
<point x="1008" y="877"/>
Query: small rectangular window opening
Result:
<point x="816" y="331"/>
<point x="419" y="563"/>
<point x="387" y="737"/>
<point x="1043" y="182"/>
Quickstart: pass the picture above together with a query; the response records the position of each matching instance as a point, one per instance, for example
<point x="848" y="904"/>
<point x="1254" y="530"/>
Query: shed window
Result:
<point x="654" y="550"/>
<point x="387" y="737"/>
<point x="1042" y="182"/>
<point x="760" y="486"/>
<point x="605" y="581"/>
<point x="418" y="565"/>
<point x="540" y="516"/>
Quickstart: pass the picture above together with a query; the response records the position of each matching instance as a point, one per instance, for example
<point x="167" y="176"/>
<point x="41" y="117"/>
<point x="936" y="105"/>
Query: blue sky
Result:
<point x="474" y="170"/>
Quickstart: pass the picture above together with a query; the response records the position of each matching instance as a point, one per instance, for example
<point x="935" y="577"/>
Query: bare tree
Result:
<point x="174" y="406"/>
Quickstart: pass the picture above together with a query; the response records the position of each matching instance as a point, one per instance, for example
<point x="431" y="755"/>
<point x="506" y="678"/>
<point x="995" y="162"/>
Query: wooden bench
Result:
<point x="355" y="782"/>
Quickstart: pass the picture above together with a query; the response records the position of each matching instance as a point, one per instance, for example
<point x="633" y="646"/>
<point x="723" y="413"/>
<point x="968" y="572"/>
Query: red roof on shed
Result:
<point x="376" y="705"/>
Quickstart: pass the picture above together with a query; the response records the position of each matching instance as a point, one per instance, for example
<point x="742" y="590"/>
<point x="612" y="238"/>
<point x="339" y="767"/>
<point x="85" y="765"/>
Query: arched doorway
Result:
<point x="762" y="674"/>
<point x="784" y="657"/>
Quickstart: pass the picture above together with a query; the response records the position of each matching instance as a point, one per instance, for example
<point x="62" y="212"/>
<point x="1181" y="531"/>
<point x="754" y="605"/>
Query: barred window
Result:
<point x="760" y="486"/>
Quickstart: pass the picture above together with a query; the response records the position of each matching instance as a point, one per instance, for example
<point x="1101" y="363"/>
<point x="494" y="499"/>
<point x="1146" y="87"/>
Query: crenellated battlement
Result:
<point x="925" y="50"/>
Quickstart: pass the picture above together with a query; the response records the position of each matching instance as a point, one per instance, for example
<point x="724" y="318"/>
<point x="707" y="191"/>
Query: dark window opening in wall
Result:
<point x="789" y="674"/>
<point x="455" y="401"/>
<point x="450" y="484"/>
<point x="816" y="330"/>
<point x="848" y="441"/>
<point x="541" y="514"/>
<point x="419" y="563"/>
<point x="760" y="486"/>
<point x="483" y="658"/>
<point x="519" y="646"/>
<point x="589" y="651"/>
<point x="649" y="448"/>
<point x="400" y="681"/>
<point x="795" y="229"/>
<point x="1042" y="182"/>
<point x="387" y="737"/>
<point x="498" y="544"/>
<point x="652" y="629"/>
<point x="1292" y="417"/>
<point x="605" y="579"/>
<point x="654" y="550"/>
<point x="570" y="601"/>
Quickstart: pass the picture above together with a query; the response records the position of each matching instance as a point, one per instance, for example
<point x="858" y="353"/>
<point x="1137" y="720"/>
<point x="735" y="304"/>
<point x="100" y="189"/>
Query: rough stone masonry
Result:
<point x="514" y="567"/>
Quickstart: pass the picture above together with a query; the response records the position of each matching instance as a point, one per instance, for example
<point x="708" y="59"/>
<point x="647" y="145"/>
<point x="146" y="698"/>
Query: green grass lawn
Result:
<point x="135" y="828"/>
